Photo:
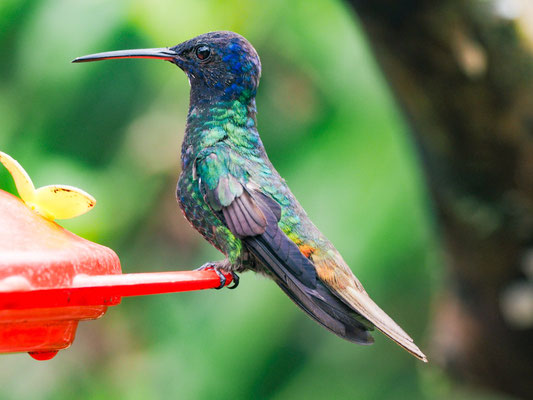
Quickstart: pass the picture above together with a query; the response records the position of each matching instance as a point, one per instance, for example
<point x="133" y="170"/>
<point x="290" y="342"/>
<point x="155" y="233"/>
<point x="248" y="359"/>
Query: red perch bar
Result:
<point x="50" y="279"/>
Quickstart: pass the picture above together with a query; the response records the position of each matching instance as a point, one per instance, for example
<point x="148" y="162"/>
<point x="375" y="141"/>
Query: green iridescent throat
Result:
<point x="230" y="121"/>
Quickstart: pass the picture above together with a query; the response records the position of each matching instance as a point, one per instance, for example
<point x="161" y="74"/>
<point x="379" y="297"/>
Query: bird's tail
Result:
<point x="361" y="301"/>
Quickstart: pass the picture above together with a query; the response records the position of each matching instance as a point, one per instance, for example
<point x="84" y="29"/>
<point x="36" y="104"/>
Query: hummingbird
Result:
<point x="231" y="193"/>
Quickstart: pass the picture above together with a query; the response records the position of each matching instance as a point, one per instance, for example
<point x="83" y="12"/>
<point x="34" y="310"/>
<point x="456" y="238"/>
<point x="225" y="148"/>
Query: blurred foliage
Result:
<point x="115" y="129"/>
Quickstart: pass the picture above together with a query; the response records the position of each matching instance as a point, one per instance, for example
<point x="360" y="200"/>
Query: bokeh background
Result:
<point x="330" y="126"/>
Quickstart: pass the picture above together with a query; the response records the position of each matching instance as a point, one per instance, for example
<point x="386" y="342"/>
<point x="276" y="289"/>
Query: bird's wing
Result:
<point x="339" y="278"/>
<point x="253" y="216"/>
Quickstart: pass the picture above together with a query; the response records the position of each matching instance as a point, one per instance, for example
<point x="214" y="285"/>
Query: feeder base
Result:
<point x="42" y="332"/>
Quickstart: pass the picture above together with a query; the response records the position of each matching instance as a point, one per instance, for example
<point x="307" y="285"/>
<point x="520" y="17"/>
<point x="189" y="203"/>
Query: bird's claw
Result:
<point x="235" y="281"/>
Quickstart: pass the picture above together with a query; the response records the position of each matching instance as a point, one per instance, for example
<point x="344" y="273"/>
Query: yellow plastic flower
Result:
<point x="53" y="201"/>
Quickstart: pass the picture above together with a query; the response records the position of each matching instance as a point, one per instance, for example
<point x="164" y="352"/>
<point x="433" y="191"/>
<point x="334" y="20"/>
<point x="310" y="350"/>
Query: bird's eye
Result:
<point x="203" y="52"/>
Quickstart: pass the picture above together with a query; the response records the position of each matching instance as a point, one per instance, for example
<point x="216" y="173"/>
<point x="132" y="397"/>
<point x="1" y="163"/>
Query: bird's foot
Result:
<point x="222" y="277"/>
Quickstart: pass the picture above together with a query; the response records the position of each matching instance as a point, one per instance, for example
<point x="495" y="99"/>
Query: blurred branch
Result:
<point x="464" y="77"/>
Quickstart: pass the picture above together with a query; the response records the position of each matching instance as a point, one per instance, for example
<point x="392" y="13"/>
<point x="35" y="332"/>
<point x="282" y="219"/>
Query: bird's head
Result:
<point x="220" y="65"/>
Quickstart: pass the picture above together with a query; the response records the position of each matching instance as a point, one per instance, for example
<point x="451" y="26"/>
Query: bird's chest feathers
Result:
<point x="223" y="139"/>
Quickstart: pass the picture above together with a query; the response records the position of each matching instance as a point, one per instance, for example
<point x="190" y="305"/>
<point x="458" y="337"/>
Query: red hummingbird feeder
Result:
<point x="50" y="279"/>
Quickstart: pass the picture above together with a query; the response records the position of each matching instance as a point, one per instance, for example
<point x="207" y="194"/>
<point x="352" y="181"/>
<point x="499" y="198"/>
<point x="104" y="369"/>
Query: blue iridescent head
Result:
<point x="220" y="65"/>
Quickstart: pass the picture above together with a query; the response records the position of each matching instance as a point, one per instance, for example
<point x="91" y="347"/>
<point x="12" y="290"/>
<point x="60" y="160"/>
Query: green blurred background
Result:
<point x="114" y="129"/>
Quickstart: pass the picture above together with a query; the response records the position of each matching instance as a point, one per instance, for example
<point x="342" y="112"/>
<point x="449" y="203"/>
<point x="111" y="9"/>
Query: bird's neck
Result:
<point x="210" y="122"/>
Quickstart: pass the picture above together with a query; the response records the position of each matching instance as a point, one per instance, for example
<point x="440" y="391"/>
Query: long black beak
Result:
<point x="160" y="54"/>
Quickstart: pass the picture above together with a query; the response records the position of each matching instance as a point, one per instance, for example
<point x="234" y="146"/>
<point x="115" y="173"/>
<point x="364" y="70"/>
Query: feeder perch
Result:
<point x="50" y="279"/>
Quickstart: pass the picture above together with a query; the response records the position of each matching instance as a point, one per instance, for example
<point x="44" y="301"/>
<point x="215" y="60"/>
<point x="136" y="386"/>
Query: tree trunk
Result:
<point x="464" y="77"/>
